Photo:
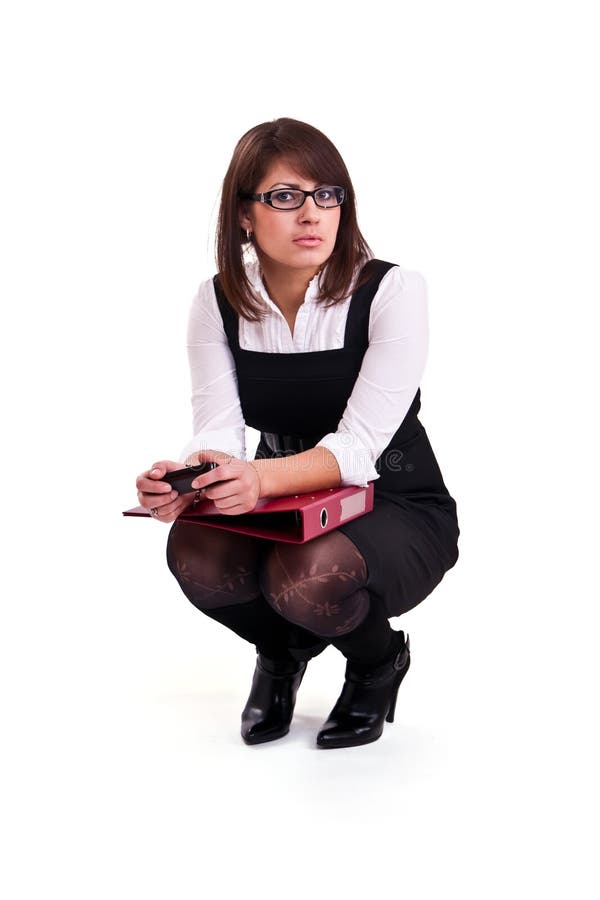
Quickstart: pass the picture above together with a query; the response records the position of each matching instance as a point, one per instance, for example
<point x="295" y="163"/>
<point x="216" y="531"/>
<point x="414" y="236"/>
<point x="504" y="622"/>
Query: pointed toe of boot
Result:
<point x="270" y="706"/>
<point x="261" y="732"/>
<point x="342" y="734"/>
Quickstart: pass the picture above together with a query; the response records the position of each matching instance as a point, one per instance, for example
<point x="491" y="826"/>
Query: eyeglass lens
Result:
<point x="326" y="196"/>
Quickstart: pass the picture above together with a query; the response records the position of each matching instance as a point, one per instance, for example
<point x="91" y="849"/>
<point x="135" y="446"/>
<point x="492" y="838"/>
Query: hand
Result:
<point x="154" y="493"/>
<point x="239" y="488"/>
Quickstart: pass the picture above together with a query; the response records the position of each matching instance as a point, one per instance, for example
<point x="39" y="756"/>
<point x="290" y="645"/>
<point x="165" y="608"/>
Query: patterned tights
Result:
<point x="289" y="600"/>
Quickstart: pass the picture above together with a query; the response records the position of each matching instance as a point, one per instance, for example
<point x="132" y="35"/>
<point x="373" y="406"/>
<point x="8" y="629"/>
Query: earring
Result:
<point x="248" y="235"/>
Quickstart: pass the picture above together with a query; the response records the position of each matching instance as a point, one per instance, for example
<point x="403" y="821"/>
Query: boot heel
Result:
<point x="394" y="697"/>
<point x="392" y="709"/>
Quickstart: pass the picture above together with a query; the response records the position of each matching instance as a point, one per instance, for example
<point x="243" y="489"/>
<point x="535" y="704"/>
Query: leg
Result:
<point x="320" y="586"/>
<point x="217" y="571"/>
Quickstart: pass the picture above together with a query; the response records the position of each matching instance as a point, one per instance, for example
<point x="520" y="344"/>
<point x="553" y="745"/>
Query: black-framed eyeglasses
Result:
<point x="327" y="196"/>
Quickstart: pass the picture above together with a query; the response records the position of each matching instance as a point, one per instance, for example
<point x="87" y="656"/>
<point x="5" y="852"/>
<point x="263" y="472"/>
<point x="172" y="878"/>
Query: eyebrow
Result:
<point x="285" y="184"/>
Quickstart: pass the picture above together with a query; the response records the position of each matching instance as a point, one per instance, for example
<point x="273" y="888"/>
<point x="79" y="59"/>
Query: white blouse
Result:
<point x="388" y="380"/>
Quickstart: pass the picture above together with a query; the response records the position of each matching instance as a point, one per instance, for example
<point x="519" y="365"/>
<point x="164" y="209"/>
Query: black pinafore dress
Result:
<point x="409" y="540"/>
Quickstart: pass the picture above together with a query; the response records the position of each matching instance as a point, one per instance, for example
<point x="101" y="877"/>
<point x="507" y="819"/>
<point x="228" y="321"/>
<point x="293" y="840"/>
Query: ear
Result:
<point x="244" y="219"/>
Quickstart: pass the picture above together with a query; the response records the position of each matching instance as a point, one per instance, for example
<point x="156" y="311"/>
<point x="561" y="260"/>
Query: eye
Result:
<point x="286" y="199"/>
<point x="327" y="196"/>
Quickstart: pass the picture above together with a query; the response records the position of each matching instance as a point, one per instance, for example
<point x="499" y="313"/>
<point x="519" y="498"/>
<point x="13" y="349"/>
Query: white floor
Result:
<point x="126" y="775"/>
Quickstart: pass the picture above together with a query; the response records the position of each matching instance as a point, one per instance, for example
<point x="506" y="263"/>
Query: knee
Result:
<point x="318" y="586"/>
<point x="181" y="552"/>
<point x="212" y="567"/>
<point x="299" y="593"/>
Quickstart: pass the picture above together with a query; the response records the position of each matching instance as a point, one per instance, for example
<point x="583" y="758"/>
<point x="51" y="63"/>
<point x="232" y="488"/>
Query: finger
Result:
<point x="212" y="477"/>
<point x="235" y="510"/>
<point x="232" y="501"/>
<point x="228" y="476"/>
<point x="226" y="470"/>
<point x="162" y="513"/>
<point x="150" y="486"/>
<point x="223" y="491"/>
<point x="166" y="509"/>
<point x="170" y="512"/>
<point x="146" y="476"/>
<point x="156" y="471"/>
<point x="201" y="456"/>
<point x="150" y="501"/>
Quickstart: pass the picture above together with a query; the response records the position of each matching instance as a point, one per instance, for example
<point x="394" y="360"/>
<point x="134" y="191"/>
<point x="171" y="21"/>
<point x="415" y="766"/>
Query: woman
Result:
<point x="306" y="337"/>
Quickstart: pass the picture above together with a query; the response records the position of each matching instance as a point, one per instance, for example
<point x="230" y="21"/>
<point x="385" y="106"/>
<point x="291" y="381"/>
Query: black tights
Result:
<point x="289" y="600"/>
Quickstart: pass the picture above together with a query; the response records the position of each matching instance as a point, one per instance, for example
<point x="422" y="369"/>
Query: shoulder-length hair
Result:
<point x="312" y="154"/>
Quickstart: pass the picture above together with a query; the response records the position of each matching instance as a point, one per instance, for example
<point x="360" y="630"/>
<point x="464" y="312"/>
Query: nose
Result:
<point x="309" y="211"/>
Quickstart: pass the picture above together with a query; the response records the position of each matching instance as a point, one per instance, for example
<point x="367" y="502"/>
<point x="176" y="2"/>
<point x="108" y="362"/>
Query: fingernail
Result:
<point x="173" y="495"/>
<point x="155" y="471"/>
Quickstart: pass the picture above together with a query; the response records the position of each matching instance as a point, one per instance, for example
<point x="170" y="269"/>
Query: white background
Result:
<point x="469" y="129"/>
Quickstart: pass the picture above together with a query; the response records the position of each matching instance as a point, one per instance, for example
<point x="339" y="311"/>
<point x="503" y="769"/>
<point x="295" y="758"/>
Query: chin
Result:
<point x="312" y="256"/>
<point x="307" y="260"/>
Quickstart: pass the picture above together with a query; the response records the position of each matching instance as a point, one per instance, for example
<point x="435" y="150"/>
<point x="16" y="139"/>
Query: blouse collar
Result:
<point x="312" y="291"/>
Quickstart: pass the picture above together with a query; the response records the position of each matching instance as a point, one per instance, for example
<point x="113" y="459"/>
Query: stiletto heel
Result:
<point x="401" y="674"/>
<point x="368" y="699"/>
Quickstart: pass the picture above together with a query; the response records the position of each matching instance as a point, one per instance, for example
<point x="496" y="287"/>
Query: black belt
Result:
<point x="290" y="443"/>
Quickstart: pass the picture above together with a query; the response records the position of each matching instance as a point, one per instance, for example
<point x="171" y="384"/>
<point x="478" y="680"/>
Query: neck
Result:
<point x="286" y="287"/>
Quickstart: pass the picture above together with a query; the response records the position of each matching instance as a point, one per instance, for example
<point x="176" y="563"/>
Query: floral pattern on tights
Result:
<point x="326" y="597"/>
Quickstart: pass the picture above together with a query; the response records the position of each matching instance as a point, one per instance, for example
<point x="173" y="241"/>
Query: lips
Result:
<point x="308" y="240"/>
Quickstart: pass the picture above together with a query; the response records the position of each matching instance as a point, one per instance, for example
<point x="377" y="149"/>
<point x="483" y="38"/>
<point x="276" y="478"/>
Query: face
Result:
<point x="278" y="234"/>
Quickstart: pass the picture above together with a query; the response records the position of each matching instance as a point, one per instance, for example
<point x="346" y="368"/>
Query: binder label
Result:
<point x="353" y="506"/>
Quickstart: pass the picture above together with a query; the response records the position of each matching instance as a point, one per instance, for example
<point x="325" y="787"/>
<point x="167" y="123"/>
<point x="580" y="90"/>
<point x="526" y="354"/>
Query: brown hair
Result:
<point x="313" y="155"/>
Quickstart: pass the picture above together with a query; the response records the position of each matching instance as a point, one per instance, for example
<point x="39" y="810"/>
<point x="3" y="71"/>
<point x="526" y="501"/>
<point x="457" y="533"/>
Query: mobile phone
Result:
<point x="181" y="479"/>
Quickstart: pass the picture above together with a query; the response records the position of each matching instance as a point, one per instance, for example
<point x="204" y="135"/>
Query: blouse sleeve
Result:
<point x="389" y="376"/>
<point x="218" y="423"/>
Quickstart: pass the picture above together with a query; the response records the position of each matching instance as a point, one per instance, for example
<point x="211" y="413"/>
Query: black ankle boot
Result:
<point x="270" y="706"/>
<point x="368" y="699"/>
